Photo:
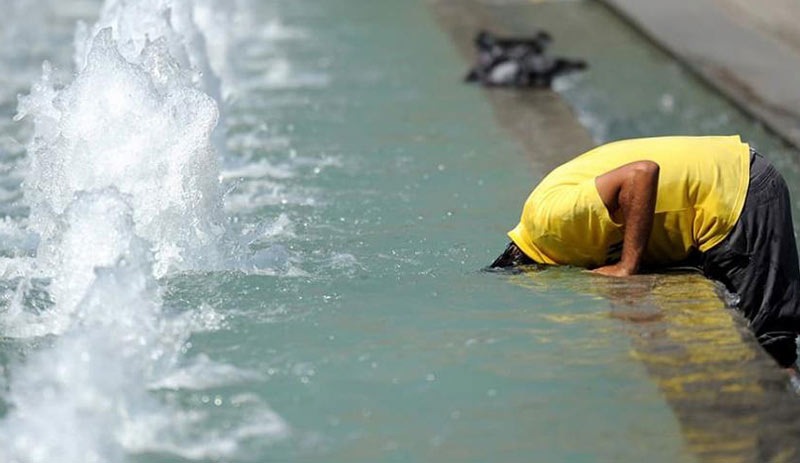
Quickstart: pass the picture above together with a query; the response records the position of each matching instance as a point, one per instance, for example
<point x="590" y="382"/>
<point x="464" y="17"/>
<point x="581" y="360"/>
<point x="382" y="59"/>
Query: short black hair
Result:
<point x="512" y="257"/>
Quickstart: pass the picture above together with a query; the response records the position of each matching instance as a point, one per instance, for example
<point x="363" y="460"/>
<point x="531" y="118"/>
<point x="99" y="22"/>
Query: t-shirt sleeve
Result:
<point x="577" y="227"/>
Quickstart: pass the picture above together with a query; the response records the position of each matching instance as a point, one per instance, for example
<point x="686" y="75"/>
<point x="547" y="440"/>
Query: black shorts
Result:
<point x="758" y="262"/>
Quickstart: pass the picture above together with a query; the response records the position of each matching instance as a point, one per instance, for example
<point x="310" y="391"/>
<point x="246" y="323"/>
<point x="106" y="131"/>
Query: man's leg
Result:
<point x="758" y="261"/>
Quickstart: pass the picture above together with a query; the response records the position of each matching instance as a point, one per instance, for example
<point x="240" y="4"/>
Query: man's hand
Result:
<point x="630" y="190"/>
<point x="615" y="270"/>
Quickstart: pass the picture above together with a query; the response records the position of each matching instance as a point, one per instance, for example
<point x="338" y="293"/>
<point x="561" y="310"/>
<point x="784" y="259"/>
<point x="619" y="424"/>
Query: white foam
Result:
<point x="227" y="26"/>
<point x="276" y="30"/>
<point x="259" y="169"/>
<point x="135" y="23"/>
<point x="178" y="436"/>
<point x="91" y="378"/>
<point x="16" y="239"/>
<point x="267" y="231"/>
<point x="251" y="196"/>
<point x="102" y="218"/>
<point x="16" y="267"/>
<point x="280" y="74"/>
<point x="203" y="373"/>
<point x="95" y="380"/>
<point x="123" y="188"/>
<point x="219" y="22"/>
<point x="251" y="143"/>
<point x="141" y="128"/>
<point x="205" y="319"/>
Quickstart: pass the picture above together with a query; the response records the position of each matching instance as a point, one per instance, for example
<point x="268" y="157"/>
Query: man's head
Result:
<point x="512" y="257"/>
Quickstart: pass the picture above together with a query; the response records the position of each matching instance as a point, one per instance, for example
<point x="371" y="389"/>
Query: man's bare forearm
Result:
<point x="630" y="191"/>
<point x="637" y="201"/>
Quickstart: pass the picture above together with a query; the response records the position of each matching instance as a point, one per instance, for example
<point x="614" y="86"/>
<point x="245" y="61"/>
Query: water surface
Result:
<point x="364" y="189"/>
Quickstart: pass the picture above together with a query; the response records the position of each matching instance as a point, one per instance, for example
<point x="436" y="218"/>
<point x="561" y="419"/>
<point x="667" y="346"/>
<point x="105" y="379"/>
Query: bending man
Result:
<point x="712" y="202"/>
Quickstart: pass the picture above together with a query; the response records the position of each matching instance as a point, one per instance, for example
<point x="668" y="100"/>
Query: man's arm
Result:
<point x="630" y="191"/>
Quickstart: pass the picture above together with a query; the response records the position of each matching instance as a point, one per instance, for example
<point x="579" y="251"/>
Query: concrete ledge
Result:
<point x="749" y="61"/>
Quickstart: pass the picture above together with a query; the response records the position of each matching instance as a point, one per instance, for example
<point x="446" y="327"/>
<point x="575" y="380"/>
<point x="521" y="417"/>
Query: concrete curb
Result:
<point x="755" y="70"/>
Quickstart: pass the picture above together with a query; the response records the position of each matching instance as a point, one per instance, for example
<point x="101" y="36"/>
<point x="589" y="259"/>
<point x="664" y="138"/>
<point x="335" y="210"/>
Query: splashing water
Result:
<point x="123" y="189"/>
<point x="96" y="377"/>
<point x="134" y="24"/>
<point x="84" y="381"/>
<point x="140" y="128"/>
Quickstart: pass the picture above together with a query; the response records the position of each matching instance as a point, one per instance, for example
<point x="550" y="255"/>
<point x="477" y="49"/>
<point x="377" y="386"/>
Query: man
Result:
<point x="648" y="203"/>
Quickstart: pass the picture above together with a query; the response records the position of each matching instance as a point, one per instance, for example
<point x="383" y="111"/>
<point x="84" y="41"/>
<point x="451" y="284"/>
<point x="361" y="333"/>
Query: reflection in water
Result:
<point x="732" y="401"/>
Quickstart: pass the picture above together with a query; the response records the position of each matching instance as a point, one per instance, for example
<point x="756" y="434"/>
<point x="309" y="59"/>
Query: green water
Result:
<point x="404" y="350"/>
<point x="363" y="309"/>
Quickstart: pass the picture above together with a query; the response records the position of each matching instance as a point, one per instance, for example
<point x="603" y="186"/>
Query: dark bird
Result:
<point x="518" y="62"/>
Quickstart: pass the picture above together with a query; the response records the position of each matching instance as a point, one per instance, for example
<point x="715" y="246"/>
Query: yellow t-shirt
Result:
<point x="702" y="185"/>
